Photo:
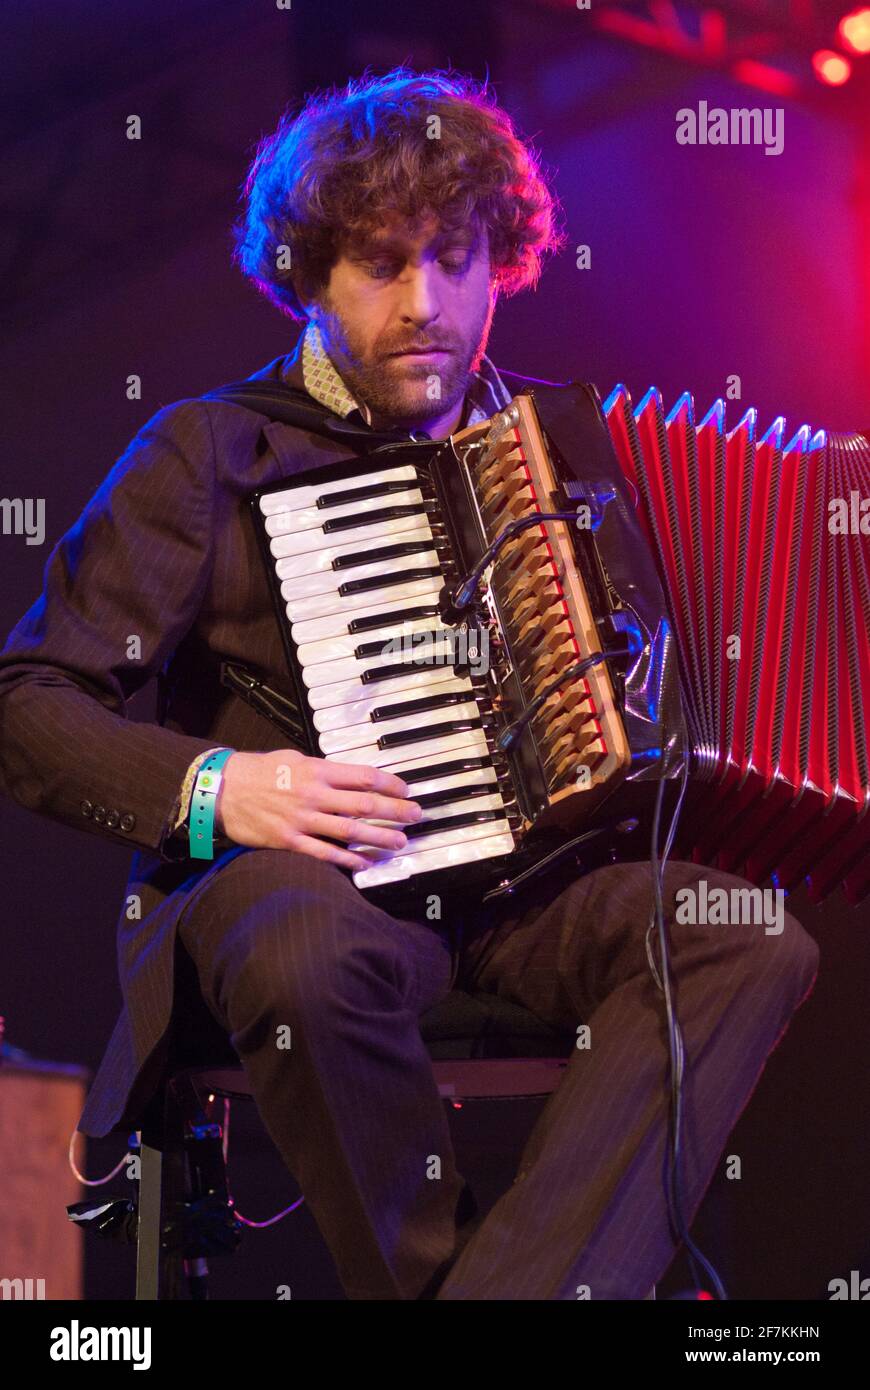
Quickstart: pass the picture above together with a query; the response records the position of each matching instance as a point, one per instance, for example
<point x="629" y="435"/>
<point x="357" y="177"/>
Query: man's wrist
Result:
<point x="179" y="821"/>
<point x="220" y="799"/>
<point x="176" y="840"/>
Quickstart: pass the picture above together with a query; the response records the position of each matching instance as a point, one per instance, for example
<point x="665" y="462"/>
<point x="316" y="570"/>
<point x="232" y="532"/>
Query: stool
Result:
<point x="481" y="1046"/>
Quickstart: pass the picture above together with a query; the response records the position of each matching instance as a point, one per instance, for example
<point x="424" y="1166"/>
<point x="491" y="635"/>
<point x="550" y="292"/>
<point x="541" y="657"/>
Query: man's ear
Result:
<point x="306" y="298"/>
<point x="309" y="305"/>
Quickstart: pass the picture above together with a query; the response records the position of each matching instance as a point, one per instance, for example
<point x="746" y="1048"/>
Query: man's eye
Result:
<point x="454" y="266"/>
<point x="375" y="269"/>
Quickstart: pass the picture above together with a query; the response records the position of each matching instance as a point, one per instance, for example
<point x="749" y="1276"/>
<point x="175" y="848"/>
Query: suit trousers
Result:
<point x="320" y="992"/>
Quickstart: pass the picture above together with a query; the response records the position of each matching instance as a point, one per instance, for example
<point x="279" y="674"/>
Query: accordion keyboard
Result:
<point x="359" y="564"/>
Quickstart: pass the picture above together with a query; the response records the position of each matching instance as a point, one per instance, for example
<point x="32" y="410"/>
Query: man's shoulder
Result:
<point x="201" y="418"/>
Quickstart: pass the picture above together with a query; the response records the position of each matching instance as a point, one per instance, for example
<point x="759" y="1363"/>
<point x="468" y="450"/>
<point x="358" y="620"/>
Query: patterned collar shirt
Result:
<point x="486" y="394"/>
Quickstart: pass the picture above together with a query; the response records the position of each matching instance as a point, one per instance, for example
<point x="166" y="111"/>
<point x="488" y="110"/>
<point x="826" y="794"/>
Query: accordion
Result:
<point x="555" y="620"/>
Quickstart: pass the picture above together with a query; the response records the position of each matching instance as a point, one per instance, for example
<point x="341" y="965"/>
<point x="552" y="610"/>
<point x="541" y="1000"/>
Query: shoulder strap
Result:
<point x="291" y="406"/>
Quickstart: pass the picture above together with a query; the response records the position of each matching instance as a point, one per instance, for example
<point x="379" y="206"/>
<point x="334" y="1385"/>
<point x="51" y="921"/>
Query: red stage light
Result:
<point x="831" y="68"/>
<point x="854" y="31"/>
<point x="755" y="74"/>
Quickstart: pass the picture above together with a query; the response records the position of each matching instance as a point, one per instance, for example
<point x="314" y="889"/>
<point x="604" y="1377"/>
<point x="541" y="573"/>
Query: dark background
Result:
<point x="706" y="262"/>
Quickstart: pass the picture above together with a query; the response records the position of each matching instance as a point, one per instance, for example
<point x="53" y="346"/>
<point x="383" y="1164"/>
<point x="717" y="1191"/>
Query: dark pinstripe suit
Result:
<point x="164" y="551"/>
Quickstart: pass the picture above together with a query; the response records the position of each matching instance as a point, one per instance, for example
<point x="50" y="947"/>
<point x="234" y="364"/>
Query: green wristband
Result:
<point x="203" y="802"/>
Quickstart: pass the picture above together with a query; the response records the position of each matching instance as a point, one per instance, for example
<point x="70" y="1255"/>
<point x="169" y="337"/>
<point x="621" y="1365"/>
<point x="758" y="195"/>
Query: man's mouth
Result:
<point x="422" y="352"/>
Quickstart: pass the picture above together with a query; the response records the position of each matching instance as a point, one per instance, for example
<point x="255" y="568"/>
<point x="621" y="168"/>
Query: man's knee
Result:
<point x="259" y="873"/>
<point x="761" y="933"/>
<point x="263" y="887"/>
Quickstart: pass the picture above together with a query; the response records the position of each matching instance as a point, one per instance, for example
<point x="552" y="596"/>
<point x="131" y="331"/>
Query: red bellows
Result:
<point x="763" y="550"/>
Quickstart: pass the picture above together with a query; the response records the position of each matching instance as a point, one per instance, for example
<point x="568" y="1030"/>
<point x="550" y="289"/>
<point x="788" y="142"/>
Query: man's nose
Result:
<point x="419" y="300"/>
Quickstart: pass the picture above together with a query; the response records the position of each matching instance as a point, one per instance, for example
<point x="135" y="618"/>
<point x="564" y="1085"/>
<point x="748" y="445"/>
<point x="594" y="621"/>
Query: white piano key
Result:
<point x="315" y="561"/>
<point x="438" y="839"/>
<point x="444" y="783"/>
<point x="294" y="499"/>
<point x="472" y="741"/>
<point x="491" y="802"/>
<point x="338" y="648"/>
<point x="470" y="849"/>
<point x="328" y="582"/>
<point x="313" y="518"/>
<point x="339" y="741"/>
<point x="375" y="533"/>
<point x="328" y="672"/>
<point x="357" y="711"/>
<point x="414" y="682"/>
<point x="325" y="604"/>
<point x="336" y="624"/>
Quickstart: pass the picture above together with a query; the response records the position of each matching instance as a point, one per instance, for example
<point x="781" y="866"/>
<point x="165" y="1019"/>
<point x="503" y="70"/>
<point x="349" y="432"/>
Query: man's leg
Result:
<point x="587" y="1207"/>
<point x="321" y="992"/>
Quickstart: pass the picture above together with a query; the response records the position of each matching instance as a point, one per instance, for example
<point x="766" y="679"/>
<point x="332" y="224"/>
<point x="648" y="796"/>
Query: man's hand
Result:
<point x="286" y="800"/>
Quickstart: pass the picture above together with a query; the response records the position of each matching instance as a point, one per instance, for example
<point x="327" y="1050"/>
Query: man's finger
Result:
<point x="361" y="777"/>
<point x="330" y="854"/>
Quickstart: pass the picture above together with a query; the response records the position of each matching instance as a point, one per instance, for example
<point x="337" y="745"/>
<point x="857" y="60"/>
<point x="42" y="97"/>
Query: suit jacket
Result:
<point x="164" y="552"/>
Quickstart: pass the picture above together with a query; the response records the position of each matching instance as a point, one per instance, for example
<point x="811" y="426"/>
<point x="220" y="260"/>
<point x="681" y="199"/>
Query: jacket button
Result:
<point x="112" y="819"/>
<point x="128" y="821"/>
<point x="87" y="808"/>
<point x="99" y="814"/>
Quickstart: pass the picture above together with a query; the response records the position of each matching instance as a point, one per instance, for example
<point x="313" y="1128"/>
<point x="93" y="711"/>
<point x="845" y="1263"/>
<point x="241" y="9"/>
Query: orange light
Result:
<point x="854" y="31"/>
<point x="831" y="68"/>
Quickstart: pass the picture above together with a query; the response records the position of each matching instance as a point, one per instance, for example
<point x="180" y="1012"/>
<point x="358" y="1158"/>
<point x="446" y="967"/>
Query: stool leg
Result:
<point x="161" y="1186"/>
<point x="148" y="1252"/>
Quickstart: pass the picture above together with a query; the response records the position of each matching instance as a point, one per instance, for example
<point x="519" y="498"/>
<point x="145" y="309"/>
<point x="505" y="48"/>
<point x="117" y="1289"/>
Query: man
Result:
<point x="390" y="216"/>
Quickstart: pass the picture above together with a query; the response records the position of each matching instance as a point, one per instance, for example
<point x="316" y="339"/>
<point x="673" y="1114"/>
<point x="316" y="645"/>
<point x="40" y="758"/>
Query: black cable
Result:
<point x="457" y="600"/>
<point x="676" y="1050"/>
<point x="511" y="734"/>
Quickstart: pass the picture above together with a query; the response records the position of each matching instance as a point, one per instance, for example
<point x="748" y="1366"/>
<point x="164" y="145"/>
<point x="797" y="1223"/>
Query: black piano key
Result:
<point x="472" y="763"/>
<point x="401" y="615"/>
<point x="417" y="639"/>
<point x="347" y="523"/>
<point x="358" y="494"/>
<point x="397" y="668"/>
<point x="383" y="581"/>
<point x="427" y="702"/>
<point x="451" y="794"/>
<point x="434" y="827"/>
<point x="383" y="552"/>
<point x="450" y="726"/>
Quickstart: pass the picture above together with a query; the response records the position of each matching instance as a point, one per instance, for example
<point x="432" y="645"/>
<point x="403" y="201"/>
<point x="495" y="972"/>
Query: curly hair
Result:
<point x="332" y="171"/>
